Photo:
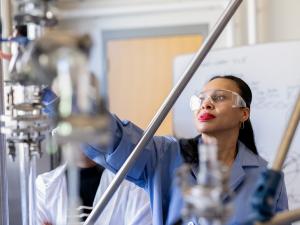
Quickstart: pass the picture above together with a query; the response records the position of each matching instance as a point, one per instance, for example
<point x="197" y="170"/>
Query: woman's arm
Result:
<point x="125" y="136"/>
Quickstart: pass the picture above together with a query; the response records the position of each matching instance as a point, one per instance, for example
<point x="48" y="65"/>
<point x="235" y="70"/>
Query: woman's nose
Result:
<point x="207" y="104"/>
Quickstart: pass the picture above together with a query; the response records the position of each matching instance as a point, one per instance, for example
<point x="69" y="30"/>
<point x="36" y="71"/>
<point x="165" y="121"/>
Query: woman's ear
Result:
<point x="245" y="114"/>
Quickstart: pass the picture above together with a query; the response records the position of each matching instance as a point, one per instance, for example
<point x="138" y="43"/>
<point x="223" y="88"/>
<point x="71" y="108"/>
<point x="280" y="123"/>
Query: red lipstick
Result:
<point x="205" y="117"/>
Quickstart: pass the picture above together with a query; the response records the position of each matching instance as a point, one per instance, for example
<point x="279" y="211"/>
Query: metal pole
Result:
<point x="73" y="183"/>
<point x="6" y="31"/>
<point x="24" y="182"/>
<point x="287" y="138"/>
<point x="32" y="189"/>
<point x="165" y="108"/>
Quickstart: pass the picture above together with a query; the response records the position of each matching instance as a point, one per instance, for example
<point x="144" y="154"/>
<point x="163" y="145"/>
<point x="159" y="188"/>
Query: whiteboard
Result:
<point x="273" y="73"/>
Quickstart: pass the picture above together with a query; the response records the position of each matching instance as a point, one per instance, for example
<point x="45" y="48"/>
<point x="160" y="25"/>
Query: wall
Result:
<point x="96" y="18"/>
<point x="283" y="20"/>
<point x="276" y="20"/>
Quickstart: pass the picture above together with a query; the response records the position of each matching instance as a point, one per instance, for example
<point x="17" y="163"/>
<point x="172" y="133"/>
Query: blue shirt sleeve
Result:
<point x="125" y="137"/>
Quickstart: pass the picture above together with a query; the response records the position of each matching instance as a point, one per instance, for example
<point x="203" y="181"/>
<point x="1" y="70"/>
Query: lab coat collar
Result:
<point x="245" y="158"/>
<point x="51" y="177"/>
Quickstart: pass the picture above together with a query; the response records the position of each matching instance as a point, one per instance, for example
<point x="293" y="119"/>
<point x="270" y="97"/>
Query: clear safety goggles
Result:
<point x="217" y="97"/>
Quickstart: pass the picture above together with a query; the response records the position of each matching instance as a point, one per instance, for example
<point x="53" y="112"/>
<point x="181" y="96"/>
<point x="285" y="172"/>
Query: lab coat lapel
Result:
<point x="245" y="158"/>
<point x="237" y="176"/>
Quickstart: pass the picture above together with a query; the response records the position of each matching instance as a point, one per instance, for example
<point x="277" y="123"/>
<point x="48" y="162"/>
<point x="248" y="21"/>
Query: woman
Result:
<point x="221" y="111"/>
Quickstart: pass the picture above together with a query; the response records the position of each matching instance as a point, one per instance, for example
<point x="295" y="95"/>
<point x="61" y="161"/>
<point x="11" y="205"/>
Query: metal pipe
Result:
<point x="287" y="138"/>
<point x="165" y="108"/>
<point x="32" y="189"/>
<point x="24" y="174"/>
<point x="70" y="156"/>
<point x="6" y="31"/>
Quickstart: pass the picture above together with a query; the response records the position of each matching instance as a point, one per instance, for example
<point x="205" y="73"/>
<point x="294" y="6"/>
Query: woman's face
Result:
<point x="219" y="116"/>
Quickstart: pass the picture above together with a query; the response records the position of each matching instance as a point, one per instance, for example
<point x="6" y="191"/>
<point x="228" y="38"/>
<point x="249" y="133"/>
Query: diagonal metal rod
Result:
<point x="164" y="109"/>
<point x="288" y="136"/>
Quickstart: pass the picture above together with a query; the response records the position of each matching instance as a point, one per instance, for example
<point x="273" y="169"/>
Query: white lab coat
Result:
<point x="129" y="205"/>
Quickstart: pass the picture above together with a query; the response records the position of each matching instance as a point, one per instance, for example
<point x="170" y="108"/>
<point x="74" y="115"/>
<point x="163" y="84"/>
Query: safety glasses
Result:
<point x="217" y="97"/>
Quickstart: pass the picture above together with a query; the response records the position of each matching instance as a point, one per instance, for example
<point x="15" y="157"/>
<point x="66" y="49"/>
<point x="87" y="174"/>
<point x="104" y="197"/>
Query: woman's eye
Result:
<point x="201" y="98"/>
<point x="218" y="98"/>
